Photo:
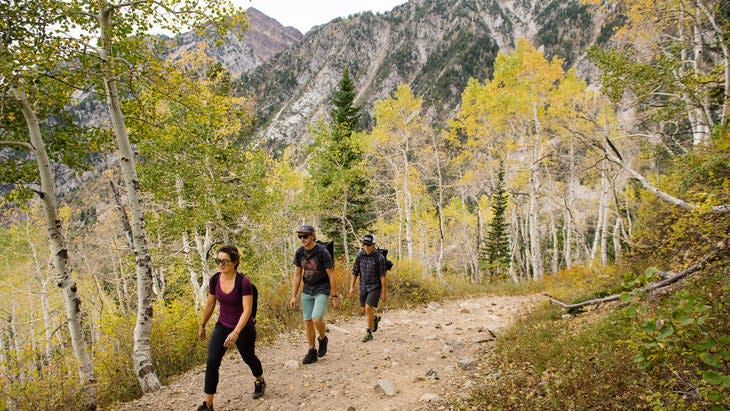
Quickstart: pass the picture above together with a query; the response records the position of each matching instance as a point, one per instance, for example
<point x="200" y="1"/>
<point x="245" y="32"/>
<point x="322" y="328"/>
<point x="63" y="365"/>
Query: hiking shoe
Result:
<point x="322" y="346"/>
<point x="376" y="320"/>
<point x="368" y="336"/>
<point x="205" y="407"/>
<point x="310" y="357"/>
<point x="258" y="389"/>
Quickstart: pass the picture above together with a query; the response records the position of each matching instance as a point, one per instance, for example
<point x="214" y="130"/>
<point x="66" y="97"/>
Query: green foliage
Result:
<point x="686" y="342"/>
<point x="496" y="250"/>
<point x="548" y="363"/>
<point x="175" y="347"/>
<point x="656" y="353"/>
<point x="669" y="236"/>
<point x="54" y="386"/>
<point x="338" y="170"/>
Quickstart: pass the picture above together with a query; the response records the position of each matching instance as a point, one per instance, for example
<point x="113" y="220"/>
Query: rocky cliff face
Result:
<point x="434" y="46"/>
<point x="264" y="39"/>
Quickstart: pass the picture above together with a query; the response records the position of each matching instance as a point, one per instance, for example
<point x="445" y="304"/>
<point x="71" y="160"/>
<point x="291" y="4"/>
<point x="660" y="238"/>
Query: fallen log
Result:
<point x="720" y="250"/>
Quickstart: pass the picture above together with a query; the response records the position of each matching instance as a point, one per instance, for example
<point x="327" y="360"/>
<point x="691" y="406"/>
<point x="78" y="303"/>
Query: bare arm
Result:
<point x="207" y="312"/>
<point x="383" y="279"/>
<point x="296" y="279"/>
<point x="333" y="287"/>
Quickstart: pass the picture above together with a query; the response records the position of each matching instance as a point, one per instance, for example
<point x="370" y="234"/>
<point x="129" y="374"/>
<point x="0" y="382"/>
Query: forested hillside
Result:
<point x="613" y="199"/>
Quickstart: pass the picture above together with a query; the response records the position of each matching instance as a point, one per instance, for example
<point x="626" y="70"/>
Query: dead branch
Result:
<point x="717" y="252"/>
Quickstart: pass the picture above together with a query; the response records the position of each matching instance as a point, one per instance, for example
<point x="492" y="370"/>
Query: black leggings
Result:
<point x="246" y="346"/>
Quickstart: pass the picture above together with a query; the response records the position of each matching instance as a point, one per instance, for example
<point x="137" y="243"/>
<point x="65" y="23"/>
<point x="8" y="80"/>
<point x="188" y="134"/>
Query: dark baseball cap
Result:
<point x="306" y="228"/>
<point x="368" y="239"/>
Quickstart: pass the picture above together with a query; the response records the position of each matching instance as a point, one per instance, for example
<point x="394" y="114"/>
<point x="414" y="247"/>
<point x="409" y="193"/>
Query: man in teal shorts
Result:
<point x="314" y="267"/>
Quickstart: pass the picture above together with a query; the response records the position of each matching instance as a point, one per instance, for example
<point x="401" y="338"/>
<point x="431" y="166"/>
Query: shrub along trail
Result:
<point x="420" y="359"/>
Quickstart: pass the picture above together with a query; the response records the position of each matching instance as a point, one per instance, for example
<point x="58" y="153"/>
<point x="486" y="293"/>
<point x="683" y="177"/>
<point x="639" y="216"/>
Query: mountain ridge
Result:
<point x="432" y="46"/>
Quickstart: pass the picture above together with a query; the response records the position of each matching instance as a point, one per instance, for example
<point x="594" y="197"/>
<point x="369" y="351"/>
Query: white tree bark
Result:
<point x="555" y="261"/>
<point x="142" y="352"/>
<point x="202" y="245"/>
<point x="59" y="251"/>
<point x="343" y="230"/>
<point x="407" y="204"/>
<point x="569" y="208"/>
<point x="604" y="227"/>
<point x="613" y="155"/>
<point x="617" y="251"/>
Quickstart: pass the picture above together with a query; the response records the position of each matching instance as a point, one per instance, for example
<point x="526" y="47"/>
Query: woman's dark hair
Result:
<point x="232" y="252"/>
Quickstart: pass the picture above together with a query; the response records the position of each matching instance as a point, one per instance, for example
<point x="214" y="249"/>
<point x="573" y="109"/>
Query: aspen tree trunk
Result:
<point x="569" y="205"/>
<point x="440" y="214"/>
<point x="46" y="319"/>
<point x="123" y="218"/>
<point x="193" y="275"/>
<point x="532" y="217"/>
<point x="514" y="228"/>
<point x="555" y="262"/>
<point x="407" y="208"/>
<point x="602" y="217"/>
<point x="216" y="206"/>
<point x="202" y="245"/>
<point x="15" y="339"/>
<point x="604" y="227"/>
<point x="526" y="256"/>
<point x="58" y="246"/>
<point x="699" y="122"/>
<point x="10" y="403"/>
<point x="31" y="326"/>
<point x="400" y="225"/>
<point x="617" y="240"/>
<point x="121" y="286"/>
<point x="720" y="34"/>
<point x="480" y="241"/>
<point x="343" y="231"/>
<point x="142" y="352"/>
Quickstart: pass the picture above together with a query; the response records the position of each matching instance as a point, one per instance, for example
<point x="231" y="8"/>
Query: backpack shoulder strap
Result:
<point x="239" y="283"/>
<point x="214" y="282"/>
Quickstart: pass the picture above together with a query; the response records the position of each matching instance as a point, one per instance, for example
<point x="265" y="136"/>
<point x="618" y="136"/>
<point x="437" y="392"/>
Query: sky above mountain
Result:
<point x="305" y="14"/>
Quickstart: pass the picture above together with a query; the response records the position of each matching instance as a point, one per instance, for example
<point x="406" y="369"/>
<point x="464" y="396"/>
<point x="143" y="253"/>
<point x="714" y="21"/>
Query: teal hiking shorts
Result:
<point x="314" y="305"/>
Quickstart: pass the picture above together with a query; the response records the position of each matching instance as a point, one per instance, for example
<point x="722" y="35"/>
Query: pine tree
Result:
<point x="496" y="247"/>
<point x="338" y="170"/>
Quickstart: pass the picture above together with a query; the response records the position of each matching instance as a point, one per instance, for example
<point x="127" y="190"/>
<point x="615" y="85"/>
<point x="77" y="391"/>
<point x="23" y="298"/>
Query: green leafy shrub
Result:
<point x="175" y="349"/>
<point x="685" y="343"/>
<point x="54" y="386"/>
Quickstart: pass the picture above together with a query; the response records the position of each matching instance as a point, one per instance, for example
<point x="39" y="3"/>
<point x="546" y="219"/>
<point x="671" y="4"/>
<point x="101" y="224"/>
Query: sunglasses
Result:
<point x="221" y="262"/>
<point x="300" y="236"/>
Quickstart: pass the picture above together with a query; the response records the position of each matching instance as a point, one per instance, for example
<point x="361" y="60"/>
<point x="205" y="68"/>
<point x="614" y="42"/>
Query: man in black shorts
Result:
<point x="370" y="267"/>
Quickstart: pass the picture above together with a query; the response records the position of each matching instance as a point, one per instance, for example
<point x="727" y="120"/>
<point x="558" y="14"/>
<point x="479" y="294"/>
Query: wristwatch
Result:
<point x="335" y="296"/>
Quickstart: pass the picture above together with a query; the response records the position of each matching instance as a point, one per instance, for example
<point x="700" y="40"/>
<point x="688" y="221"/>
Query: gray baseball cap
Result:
<point x="306" y="228"/>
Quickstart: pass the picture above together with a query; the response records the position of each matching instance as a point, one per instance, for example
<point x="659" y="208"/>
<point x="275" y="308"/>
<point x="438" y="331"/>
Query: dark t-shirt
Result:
<point x="231" y="303"/>
<point x="314" y="263"/>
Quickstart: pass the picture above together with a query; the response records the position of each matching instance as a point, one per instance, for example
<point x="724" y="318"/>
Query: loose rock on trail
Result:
<point x="420" y="359"/>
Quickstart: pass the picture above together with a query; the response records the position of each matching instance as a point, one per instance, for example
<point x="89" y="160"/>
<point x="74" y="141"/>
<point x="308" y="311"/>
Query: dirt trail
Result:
<point x="427" y="355"/>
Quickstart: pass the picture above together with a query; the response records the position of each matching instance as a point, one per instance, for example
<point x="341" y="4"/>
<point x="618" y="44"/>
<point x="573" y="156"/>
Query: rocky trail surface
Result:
<point x="420" y="359"/>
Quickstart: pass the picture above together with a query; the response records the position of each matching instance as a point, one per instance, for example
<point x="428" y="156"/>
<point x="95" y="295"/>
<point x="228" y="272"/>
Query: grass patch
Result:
<point x="600" y="360"/>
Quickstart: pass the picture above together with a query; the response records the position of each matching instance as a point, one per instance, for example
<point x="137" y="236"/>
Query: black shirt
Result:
<point x="314" y="263"/>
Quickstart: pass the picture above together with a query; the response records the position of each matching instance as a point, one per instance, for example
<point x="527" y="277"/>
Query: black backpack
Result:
<point x="330" y="246"/>
<point x="239" y="287"/>
<point x="388" y="263"/>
